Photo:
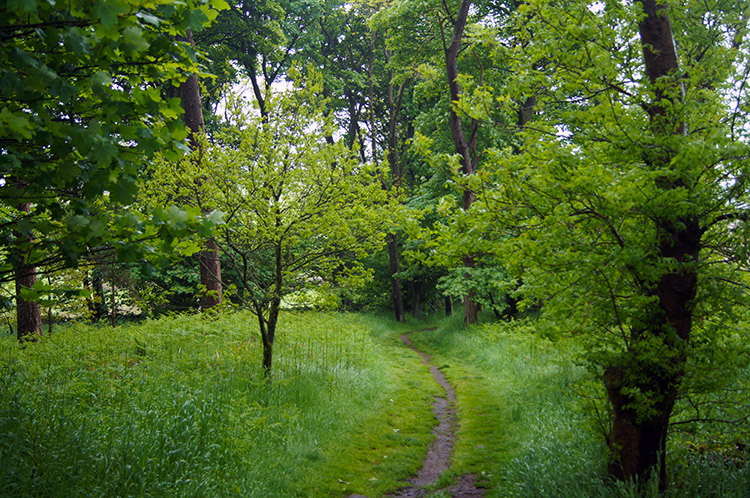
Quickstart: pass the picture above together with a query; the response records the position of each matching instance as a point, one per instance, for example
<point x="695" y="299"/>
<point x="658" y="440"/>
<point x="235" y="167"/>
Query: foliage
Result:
<point x="299" y="210"/>
<point x="79" y="114"/>
<point x="529" y="424"/>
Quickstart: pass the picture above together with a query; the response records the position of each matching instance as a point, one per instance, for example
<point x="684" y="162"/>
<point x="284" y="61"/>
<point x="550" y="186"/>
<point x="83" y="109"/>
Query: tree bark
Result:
<point x="465" y="148"/>
<point x="268" y="326"/>
<point x="638" y="442"/>
<point x="394" y="163"/>
<point x="210" y="264"/>
<point x="210" y="269"/>
<point x="28" y="313"/>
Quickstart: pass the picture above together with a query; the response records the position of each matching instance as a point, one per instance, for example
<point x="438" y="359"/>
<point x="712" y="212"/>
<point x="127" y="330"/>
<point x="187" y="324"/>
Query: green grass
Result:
<point x="527" y="430"/>
<point x="179" y="407"/>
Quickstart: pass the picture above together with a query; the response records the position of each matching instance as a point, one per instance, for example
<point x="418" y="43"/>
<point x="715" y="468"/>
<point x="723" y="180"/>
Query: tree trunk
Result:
<point x="398" y="297"/>
<point x="210" y="268"/>
<point x="268" y="326"/>
<point x="464" y="148"/>
<point x="656" y="357"/>
<point x="210" y="264"/>
<point x="96" y="303"/>
<point x="394" y="109"/>
<point x="448" y="306"/>
<point x="267" y="332"/>
<point x="28" y="313"/>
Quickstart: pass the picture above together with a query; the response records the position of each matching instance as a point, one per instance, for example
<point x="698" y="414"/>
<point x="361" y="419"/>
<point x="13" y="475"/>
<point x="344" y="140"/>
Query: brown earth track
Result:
<point x="439" y="454"/>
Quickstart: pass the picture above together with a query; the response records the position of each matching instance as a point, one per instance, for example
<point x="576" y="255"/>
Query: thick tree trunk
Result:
<point x="465" y="148"/>
<point x="398" y="298"/>
<point x="28" y="313"/>
<point x="448" y="306"/>
<point x="210" y="264"/>
<point x="657" y="354"/>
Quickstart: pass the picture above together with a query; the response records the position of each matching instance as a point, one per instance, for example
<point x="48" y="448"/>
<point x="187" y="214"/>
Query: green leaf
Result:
<point x="15" y="124"/>
<point x="134" y="36"/>
<point x="107" y="11"/>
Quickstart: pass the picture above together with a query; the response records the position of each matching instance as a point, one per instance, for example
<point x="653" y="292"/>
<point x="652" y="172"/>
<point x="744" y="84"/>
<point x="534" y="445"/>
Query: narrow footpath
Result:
<point x="439" y="454"/>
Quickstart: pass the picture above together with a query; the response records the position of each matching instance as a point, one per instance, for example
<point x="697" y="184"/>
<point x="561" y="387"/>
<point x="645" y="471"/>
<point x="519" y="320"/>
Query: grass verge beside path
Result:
<point x="526" y="431"/>
<point x="178" y="407"/>
<point x="510" y="385"/>
<point x="389" y="442"/>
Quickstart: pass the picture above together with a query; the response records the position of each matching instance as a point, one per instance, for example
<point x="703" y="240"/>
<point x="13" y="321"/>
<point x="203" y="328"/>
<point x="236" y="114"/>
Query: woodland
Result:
<point x="297" y="248"/>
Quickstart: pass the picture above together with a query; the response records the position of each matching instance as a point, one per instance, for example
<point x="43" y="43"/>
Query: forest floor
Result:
<point x="438" y="458"/>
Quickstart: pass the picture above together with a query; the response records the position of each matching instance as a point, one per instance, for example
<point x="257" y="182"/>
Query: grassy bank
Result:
<point x="178" y="407"/>
<point x="529" y="430"/>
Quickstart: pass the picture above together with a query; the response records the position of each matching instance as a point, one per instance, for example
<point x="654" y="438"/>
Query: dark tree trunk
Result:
<point x="637" y="442"/>
<point x="448" y="306"/>
<point x="465" y="148"/>
<point x="28" y="313"/>
<point x="398" y="298"/>
<point x="394" y="109"/>
<point x="96" y="303"/>
<point x="268" y="326"/>
<point x="210" y="268"/>
<point x="267" y="333"/>
<point x="210" y="264"/>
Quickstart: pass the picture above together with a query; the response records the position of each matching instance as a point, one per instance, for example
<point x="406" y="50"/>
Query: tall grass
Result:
<point x="179" y="407"/>
<point x="528" y="428"/>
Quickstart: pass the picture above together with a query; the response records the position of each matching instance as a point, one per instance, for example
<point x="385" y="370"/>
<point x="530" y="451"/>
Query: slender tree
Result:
<point x="465" y="147"/>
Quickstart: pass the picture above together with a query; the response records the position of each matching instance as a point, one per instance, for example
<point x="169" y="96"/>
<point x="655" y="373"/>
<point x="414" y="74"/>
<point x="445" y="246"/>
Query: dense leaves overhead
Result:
<point x="80" y="109"/>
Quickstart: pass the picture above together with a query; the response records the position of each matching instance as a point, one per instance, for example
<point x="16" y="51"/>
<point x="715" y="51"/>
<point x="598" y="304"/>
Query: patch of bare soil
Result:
<point x="439" y="454"/>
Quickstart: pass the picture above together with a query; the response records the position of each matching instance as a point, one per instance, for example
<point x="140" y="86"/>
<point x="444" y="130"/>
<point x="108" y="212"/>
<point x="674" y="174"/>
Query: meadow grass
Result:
<point x="527" y="424"/>
<point x="179" y="407"/>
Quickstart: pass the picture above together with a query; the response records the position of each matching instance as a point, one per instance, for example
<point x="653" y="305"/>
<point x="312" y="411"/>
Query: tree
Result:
<point x="208" y="258"/>
<point x="79" y="113"/>
<point x="465" y="148"/>
<point x="628" y="195"/>
<point x="457" y="65"/>
<point x="298" y="209"/>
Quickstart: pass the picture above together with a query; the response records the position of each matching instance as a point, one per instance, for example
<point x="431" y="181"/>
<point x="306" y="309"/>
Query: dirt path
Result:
<point x="439" y="454"/>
